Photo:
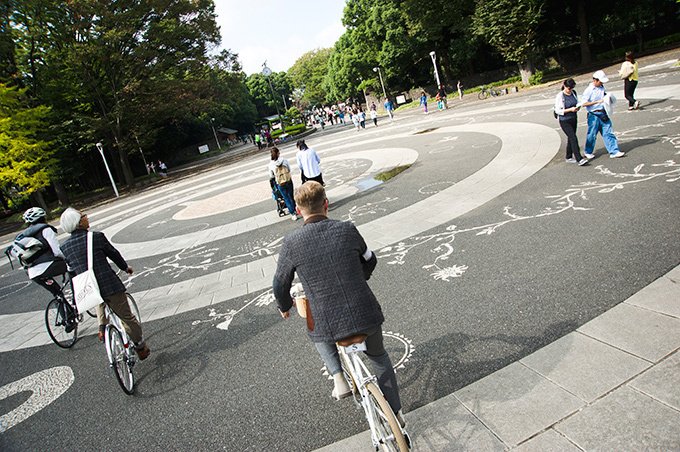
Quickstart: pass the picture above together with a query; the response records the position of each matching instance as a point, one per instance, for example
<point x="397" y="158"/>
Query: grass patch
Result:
<point x="387" y="175"/>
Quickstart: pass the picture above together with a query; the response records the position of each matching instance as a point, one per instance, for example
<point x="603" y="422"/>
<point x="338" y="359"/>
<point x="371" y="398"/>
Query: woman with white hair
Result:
<point x="110" y="286"/>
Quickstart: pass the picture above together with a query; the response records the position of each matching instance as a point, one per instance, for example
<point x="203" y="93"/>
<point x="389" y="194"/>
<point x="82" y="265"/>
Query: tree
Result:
<point x="510" y="26"/>
<point x="24" y="157"/>
<point x="122" y="54"/>
<point x="307" y="75"/>
<point x="261" y="93"/>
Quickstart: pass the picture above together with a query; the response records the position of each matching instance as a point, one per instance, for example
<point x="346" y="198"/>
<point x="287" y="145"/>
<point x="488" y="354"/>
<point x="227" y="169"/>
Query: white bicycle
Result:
<point x="386" y="432"/>
<point x="120" y="348"/>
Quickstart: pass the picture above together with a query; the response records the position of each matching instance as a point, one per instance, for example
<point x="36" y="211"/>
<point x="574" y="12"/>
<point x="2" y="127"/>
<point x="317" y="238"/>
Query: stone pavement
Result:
<point x="611" y="385"/>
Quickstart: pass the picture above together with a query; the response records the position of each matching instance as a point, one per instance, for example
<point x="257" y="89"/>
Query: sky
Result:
<point x="278" y="32"/>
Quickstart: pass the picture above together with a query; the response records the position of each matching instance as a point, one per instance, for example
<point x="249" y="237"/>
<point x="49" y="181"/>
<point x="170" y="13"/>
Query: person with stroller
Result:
<point x="279" y="175"/>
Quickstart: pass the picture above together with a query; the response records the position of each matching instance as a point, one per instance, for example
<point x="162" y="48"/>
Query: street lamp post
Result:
<point x="377" y="69"/>
<point x="212" y="120"/>
<point x="267" y="73"/>
<point x="434" y="63"/>
<point x="100" y="148"/>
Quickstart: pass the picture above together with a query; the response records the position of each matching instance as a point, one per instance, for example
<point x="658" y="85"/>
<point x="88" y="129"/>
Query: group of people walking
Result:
<point x="599" y="105"/>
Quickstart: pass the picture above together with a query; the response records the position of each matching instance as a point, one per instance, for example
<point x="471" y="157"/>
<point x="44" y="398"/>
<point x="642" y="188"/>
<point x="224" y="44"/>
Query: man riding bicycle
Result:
<point x="333" y="263"/>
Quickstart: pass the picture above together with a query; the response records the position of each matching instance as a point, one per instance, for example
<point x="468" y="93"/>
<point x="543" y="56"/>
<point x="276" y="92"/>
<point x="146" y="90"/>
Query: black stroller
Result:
<point x="281" y="207"/>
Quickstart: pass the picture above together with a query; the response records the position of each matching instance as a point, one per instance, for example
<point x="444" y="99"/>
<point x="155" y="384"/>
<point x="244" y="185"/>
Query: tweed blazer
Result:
<point x="75" y="252"/>
<point x="327" y="257"/>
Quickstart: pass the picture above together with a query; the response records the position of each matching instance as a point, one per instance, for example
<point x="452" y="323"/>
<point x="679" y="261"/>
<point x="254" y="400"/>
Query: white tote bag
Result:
<point x="85" y="287"/>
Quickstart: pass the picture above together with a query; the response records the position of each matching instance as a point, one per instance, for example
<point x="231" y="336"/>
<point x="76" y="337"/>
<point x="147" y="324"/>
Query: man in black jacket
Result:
<point x="333" y="263"/>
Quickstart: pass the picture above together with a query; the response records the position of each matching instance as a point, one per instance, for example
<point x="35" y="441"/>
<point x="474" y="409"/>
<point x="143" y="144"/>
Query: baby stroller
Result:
<point x="281" y="207"/>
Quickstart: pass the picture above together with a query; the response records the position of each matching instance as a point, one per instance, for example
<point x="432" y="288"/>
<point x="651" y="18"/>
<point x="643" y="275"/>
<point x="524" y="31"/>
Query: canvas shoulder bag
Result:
<point x="85" y="286"/>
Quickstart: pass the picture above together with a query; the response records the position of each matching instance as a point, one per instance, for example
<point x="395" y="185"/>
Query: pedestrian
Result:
<point x="341" y="116"/>
<point x="47" y="263"/>
<point x="374" y="117"/>
<point x="441" y="92"/>
<point x="629" y="74"/>
<point x="279" y="174"/>
<point x="334" y="263"/>
<point x="355" y="119"/>
<point x="308" y="162"/>
<point x="163" y="168"/>
<point x="258" y="139"/>
<point x="566" y="106"/>
<point x="373" y="107"/>
<point x="423" y="100"/>
<point x="110" y="286"/>
<point x="440" y="102"/>
<point x="460" y="90"/>
<point x="595" y="99"/>
<point x="362" y="118"/>
<point x="389" y="107"/>
<point x="153" y="167"/>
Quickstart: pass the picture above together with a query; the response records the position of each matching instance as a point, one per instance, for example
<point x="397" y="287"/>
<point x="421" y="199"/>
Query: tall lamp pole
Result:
<point x="212" y="120"/>
<point x="434" y="63"/>
<point x="100" y="148"/>
<point x="267" y="72"/>
<point x="377" y="69"/>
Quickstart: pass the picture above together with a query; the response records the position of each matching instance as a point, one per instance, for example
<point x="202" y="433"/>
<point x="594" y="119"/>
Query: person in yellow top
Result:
<point x="629" y="73"/>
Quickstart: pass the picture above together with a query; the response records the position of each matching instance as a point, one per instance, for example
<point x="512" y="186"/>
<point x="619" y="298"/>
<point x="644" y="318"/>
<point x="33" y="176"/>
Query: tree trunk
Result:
<point x="61" y="192"/>
<point x="37" y="199"/>
<point x="526" y="69"/>
<point x="586" y="57"/>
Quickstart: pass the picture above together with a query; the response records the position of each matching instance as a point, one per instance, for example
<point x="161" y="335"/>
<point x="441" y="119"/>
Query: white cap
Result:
<point x="600" y="76"/>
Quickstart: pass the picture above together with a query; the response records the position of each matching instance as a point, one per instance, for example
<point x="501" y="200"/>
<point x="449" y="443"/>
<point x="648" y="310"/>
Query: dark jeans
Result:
<point x="629" y="89"/>
<point x="318" y="178"/>
<point x="47" y="281"/>
<point x="569" y="128"/>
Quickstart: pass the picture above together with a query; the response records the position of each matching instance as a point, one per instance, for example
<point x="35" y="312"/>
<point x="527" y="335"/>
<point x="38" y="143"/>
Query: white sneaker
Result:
<point x="571" y="160"/>
<point x="617" y="155"/>
<point x="637" y="105"/>
<point x="589" y="156"/>
<point x="294" y="217"/>
<point x="582" y="162"/>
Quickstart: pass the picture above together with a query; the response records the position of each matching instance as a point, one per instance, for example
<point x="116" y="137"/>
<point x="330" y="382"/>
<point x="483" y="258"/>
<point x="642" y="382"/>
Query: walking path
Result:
<point x="611" y="385"/>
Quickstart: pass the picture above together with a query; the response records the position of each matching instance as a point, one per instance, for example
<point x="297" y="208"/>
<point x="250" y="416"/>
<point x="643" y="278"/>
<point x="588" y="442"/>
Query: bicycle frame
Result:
<point x="361" y="377"/>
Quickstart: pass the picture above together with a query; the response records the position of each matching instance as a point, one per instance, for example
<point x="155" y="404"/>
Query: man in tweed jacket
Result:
<point x="333" y="263"/>
<point x="111" y="287"/>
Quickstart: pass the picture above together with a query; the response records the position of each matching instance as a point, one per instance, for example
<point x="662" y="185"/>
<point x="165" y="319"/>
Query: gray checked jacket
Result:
<point x="75" y="252"/>
<point x="327" y="257"/>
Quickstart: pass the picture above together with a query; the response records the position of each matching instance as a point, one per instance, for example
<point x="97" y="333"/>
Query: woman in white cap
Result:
<point x="594" y="99"/>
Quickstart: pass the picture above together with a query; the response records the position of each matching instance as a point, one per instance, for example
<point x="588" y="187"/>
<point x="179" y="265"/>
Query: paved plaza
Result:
<point x="530" y="304"/>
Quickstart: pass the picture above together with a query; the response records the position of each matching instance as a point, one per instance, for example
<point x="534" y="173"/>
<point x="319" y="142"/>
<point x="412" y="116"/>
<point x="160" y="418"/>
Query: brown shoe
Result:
<point x="143" y="352"/>
<point x="102" y="331"/>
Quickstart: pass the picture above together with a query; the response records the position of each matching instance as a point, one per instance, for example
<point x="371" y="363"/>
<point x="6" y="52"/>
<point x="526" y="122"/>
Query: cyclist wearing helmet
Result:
<point x="50" y="261"/>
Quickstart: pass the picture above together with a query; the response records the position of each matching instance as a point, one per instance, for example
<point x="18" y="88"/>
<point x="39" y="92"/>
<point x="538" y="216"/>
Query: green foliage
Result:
<point x="536" y="78"/>
<point x="24" y="157"/>
<point x="307" y="76"/>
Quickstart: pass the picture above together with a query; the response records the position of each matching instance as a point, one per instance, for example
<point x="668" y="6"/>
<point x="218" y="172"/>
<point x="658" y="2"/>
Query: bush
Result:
<point x="290" y="130"/>
<point x="536" y="78"/>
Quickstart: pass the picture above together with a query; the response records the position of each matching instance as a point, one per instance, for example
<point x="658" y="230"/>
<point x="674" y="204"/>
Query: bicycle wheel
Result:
<point x="55" y="320"/>
<point x="483" y="94"/>
<point x="133" y="307"/>
<point x="389" y="433"/>
<point x="119" y="360"/>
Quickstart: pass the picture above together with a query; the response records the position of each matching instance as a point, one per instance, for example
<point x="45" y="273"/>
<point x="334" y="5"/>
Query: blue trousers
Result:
<point x="595" y="125"/>
<point x="287" y="193"/>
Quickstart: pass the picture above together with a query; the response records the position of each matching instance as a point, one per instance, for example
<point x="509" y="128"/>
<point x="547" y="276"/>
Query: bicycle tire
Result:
<point x="56" y="325"/>
<point x="119" y="360"/>
<point x="133" y="306"/>
<point x="389" y="432"/>
<point x="483" y="94"/>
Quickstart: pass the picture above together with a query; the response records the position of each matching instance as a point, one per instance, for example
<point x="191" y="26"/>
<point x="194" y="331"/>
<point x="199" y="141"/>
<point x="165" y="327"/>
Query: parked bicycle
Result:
<point x="61" y="315"/>
<point x="120" y="349"/>
<point x="489" y="91"/>
<point x="386" y="431"/>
